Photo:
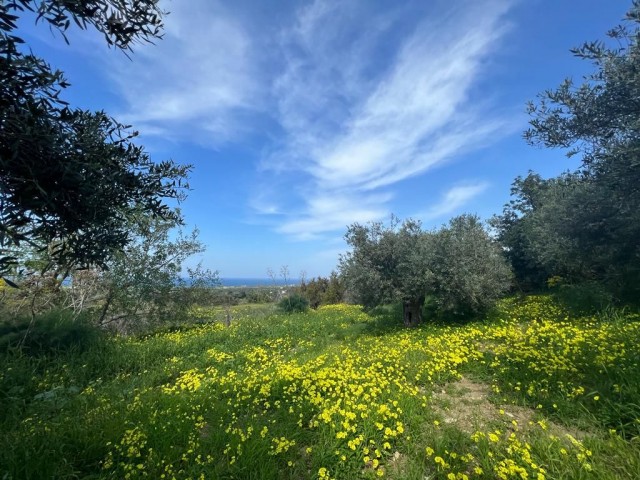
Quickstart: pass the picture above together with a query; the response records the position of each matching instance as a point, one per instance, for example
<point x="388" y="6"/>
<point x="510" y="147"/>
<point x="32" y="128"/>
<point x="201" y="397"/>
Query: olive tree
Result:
<point x="144" y="283"/>
<point x="459" y="265"/>
<point x="469" y="268"/>
<point x="69" y="178"/>
<point x="388" y="264"/>
<point x="585" y="225"/>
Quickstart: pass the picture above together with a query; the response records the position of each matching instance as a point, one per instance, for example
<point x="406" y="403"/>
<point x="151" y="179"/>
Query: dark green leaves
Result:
<point x="585" y="226"/>
<point x="70" y="179"/>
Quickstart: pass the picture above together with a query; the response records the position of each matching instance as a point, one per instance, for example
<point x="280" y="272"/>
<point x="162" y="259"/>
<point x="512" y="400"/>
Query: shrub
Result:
<point x="294" y="303"/>
<point x="54" y="330"/>
<point x="324" y="291"/>
<point x="585" y="297"/>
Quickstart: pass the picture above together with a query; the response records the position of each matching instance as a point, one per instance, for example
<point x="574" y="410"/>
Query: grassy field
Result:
<point x="531" y="393"/>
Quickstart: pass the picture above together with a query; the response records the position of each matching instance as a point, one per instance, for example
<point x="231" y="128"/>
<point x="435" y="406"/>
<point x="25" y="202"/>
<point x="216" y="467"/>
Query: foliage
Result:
<point x="46" y="284"/>
<point x="470" y="273"/>
<point x="336" y="290"/>
<point x="294" y="303"/>
<point x="37" y="294"/>
<point x="585" y="297"/>
<point x="389" y="263"/>
<point x="555" y="227"/>
<point x="459" y="266"/>
<point x="239" y="295"/>
<point x="584" y="225"/>
<point x="143" y="284"/>
<point x="255" y="294"/>
<point x="52" y="331"/>
<point x="316" y="395"/>
<point x="70" y="179"/>
<point x="323" y="291"/>
<point x="313" y="290"/>
<point x="513" y="232"/>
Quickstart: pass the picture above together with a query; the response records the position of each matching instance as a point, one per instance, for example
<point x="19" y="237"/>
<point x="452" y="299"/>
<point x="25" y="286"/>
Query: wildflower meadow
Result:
<point x="529" y="392"/>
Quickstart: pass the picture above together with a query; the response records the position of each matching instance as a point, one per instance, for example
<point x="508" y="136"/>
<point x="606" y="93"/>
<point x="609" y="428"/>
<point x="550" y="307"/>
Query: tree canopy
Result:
<point x="458" y="266"/>
<point x="70" y="178"/>
<point x="585" y="225"/>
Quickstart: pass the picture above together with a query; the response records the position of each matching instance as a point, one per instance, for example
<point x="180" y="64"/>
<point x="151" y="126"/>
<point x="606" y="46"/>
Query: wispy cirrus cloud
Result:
<point x="328" y="213"/>
<point x="197" y="82"/>
<point x="356" y="128"/>
<point x="363" y="96"/>
<point x="455" y="198"/>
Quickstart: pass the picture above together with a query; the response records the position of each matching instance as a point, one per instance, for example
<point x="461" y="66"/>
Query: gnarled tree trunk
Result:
<point x="412" y="312"/>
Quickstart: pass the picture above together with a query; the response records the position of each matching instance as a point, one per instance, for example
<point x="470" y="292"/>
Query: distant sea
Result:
<point x="257" y="282"/>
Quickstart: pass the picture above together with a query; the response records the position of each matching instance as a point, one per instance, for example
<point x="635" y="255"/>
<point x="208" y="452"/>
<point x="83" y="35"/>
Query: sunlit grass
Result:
<point x="334" y="393"/>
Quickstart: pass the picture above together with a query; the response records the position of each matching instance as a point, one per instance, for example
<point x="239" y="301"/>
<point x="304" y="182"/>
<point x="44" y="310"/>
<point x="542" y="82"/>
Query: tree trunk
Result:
<point x="412" y="312"/>
<point x="105" y="307"/>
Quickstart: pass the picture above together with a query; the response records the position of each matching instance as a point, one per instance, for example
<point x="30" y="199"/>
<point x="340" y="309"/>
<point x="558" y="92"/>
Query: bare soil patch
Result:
<point x="465" y="404"/>
<point x="397" y="463"/>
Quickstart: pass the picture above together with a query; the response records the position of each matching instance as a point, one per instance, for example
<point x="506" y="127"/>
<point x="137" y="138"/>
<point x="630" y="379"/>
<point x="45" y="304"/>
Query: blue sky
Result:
<point x="302" y="117"/>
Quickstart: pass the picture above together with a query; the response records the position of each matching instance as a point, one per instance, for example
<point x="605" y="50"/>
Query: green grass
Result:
<point x="334" y="393"/>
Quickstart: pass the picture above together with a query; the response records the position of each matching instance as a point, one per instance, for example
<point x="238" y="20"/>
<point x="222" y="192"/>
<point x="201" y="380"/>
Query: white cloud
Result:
<point x="454" y="199"/>
<point x="365" y="95"/>
<point x="194" y="83"/>
<point x="328" y="213"/>
<point x="355" y="126"/>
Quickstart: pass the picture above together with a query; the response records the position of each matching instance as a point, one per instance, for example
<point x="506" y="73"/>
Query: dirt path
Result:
<point x="465" y="404"/>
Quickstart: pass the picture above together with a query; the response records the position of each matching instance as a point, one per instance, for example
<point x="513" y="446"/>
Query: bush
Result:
<point x="323" y="291"/>
<point x="54" y="330"/>
<point x="585" y="297"/>
<point x="294" y="303"/>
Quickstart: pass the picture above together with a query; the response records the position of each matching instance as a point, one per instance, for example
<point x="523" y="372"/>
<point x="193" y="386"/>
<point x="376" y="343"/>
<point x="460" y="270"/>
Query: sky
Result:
<point x="303" y="117"/>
